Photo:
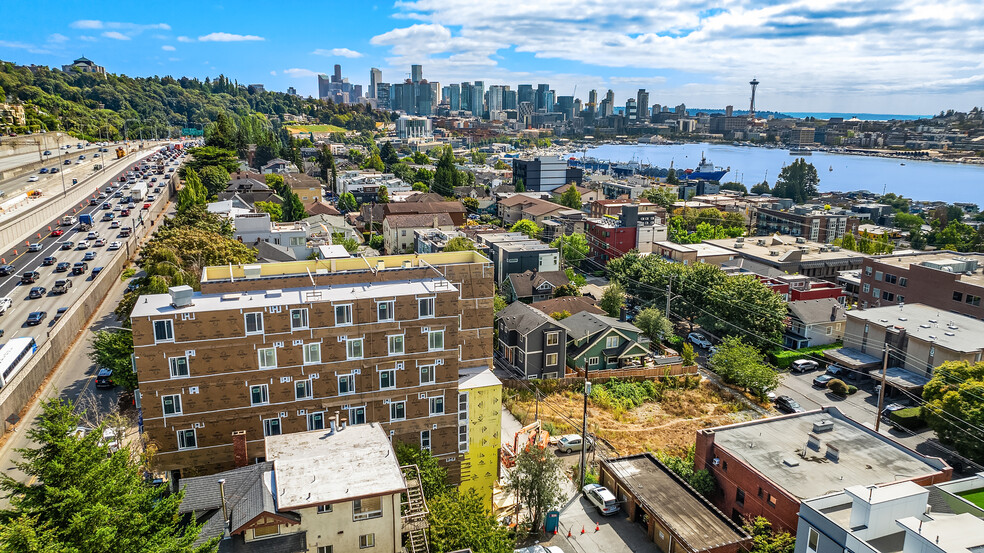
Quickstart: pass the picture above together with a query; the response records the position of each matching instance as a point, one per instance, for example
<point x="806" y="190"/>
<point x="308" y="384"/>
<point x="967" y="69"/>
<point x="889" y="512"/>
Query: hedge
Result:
<point x="783" y="358"/>
<point x="838" y="387"/>
<point x="910" y="418"/>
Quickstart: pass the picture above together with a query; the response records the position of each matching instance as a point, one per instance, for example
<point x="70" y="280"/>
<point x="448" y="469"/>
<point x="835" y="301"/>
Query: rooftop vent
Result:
<point x="813" y="442"/>
<point x="380" y="265"/>
<point x="924" y="326"/>
<point x="407" y="263"/>
<point x="790" y="462"/>
<point x="774" y="253"/>
<point x="230" y="297"/>
<point x="824" y="425"/>
<point x="180" y="295"/>
<point x="835" y="248"/>
<point x="833" y="453"/>
<point x="739" y="245"/>
<point x="800" y="240"/>
<point x="761" y="242"/>
<point x="275" y="293"/>
<point x="251" y="271"/>
<point x="949" y="333"/>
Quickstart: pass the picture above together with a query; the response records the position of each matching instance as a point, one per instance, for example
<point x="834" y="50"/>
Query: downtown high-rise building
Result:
<point x="375" y="77"/>
<point x="542" y="98"/>
<point x="454" y="96"/>
<point x="642" y="105"/>
<point x="478" y="99"/>
<point x="631" y="110"/>
<point x="338" y="89"/>
<point x="592" y="106"/>
<point x="415" y="97"/>
<point x="495" y="98"/>
<point x="565" y="105"/>
<point x="466" y="96"/>
<point x="509" y="101"/>
<point x="524" y="93"/>
<point x="416" y="73"/>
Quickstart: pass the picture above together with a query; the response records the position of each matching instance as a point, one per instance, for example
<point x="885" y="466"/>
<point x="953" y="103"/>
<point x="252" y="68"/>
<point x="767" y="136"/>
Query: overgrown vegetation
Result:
<point x="701" y="480"/>
<point x="954" y="409"/>
<point x="783" y="358"/>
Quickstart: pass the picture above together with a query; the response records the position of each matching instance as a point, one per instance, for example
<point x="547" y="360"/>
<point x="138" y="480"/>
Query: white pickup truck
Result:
<point x="5" y="304"/>
<point x="68" y="220"/>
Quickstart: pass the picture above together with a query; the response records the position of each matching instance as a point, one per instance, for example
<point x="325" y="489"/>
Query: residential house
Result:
<point x="531" y="343"/>
<point x="588" y="195"/>
<point x="613" y="209"/>
<point x="530" y="286"/>
<point x="277" y="166"/>
<point x="399" y="230"/>
<point x="815" y="323"/>
<point x="252" y="228"/>
<point x="519" y="206"/>
<point x="308" y="189"/>
<point x="321" y="207"/>
<point x="431" y="240"/>
<point x="514" y="252"/>
<point x="365" y="184"/>
<point x="455" y="210"/>
<point x="249" y="190"/>
<point x="571" y="304"/>
<point x="599" y="342"/>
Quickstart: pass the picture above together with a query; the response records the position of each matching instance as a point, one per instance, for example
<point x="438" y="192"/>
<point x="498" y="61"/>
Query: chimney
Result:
<point x="833" y="313"/>
<point x="225" y="511"/>
<point x="239" y="448"/>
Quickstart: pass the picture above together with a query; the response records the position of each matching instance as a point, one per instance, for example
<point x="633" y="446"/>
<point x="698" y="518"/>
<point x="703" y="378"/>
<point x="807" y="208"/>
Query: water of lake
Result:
<point x="919" y="180"/>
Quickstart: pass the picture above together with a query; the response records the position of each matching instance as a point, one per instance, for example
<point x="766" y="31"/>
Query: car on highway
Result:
<point x="67" y="245"/>
<point x="43" y="171"/>
<point x="61" y="286"/>
<point x="67" y="162"/>
<point x="151" y="197"/>
<point x="93" y="234"/>
<point x="107" y="205"/>
<point x="96" y="271"/>
<point x="93" y="201"/>
<point x="146" y="206"/>
<point x="30" y="277"/>
<point x="54" y="170"/>
<point x="104" y="378"/>
<point x="114" y="245"/>
<point x="50" y="260"/>
<point x="5" y="304"/>
<point x="81" y="157"/>
<point x="95" y="155"/>
<point x="80" y="268"/>
<point x="124" y="212"/>
<point x="47" y="152"/>
<point x="108" y="216"/>
<point x="100" y="242"/>
<point x="804" y="365"/>
<point x="33" y="178"/>
<point x="822" y="380"/>
<point x="786" y="404"/>
<point x="36" y="317"/>
<point x="7" y="270"/>
<point x="698" y="339"/>
<point x="89" y="256"/>
<point x="37" y="292"/>
<point x="602" y="498"/>
<point x="83" y="245"/>
<point x="117" y="207"/>
<point x="34" y="247"/>
<point x="62" y="267"/>
<point x="57" y="232"/>
<point x="58" y="314"/>
<point x="114" y="224"/>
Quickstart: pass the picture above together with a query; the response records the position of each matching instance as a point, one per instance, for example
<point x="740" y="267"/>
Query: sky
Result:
<point x="862" y="56"/>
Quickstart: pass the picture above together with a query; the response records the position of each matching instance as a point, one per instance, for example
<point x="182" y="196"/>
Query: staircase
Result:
<point x="413" y="510"/>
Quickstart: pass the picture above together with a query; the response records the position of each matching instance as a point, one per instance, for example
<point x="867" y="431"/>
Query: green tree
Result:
<point x="499" y="303"/>
<point x="383" y="196"/>
<point x="908" y="222"/>
<point x="478" y="157"/>
<point x="671" y="177"/>
<point x="501" y="165"/>
<point x="210" y="155"/>
<point x="292" y="208"/>
<point x="761" y="188"/>
<point x="376" y="242"/>
<point x="192" y="193"/>
<point x="743" y="365"/>
<point x="459" y="244"/>
<point x="575" y="278"/>
<point x="653" y="324"/>
<point x="215" y="179"/>
<point x="701" y="480"/>
<point x="433" y="477"/>
<point x="849" y="243"/>
<point x="520" y="185"/>
<point x="566" y="290"/>
<point x="326" y="164"/>
<point x="896" y="201"/>
<point x="388" y="154"/>
<point x="420" y="158"/>
<point x="374" y="162"/>
<point x="687" y="355"/>
<point x="560" y="315"/>
<point x="574" y="248"/>
<point x="661" y="196"/>
<point x="88" y="498"/>
<point x="276" y="212"/>
<point x="535" y="482"/>
<point x="460" y="520"/>
<point x="527" y="227"/>
<point x="742" y="304"/>
<point x="470" y="203"/>
<point x="350" y="244"/>
<point x="734" y="186"/>
<point x="571" y="198"/>
<point x="420" y="187"/>
<point x="612" y="299"/>
<point x="113" y="350"/>
<point x="798" y="181"/>
<point x="954" y="409"/>
<point x="767" y="540"/>
<point x="347" y="202"/>
<point x="446" y="176"/>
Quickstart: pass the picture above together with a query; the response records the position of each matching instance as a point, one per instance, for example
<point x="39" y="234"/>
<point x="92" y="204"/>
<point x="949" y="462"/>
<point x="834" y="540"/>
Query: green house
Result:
<point x="596" y="342"/>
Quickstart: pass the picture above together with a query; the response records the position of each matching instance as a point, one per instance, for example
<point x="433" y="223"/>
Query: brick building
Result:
<point x="812" y="222"/>
<point x="946" y="280"/>
<point x="767" y="467"/>
<point x="286" y="347"/>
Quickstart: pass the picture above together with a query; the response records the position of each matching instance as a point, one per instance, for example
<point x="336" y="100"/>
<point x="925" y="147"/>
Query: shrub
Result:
<point x="910" y="418"/>
<point x="783" y="358"/>
<point x="838" y="387"/>
<point x="851" y="388"/>
<point x="127" y="273"/>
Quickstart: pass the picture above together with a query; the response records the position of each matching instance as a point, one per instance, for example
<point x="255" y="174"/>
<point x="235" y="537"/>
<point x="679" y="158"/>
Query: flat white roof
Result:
<point x="477" y="378"/>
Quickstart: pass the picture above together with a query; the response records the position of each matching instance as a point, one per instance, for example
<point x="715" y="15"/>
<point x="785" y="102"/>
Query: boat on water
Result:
<point x="704" y="171"/>
<point x="831" y="168"/>
<point x="800" y="152"/>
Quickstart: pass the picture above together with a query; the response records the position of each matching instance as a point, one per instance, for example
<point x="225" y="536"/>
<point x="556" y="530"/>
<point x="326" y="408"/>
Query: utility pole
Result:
<point x="881" y="390"/>
<point x="669" y="293"/>
<point x="584" y="426"/>
<point x="536" y="416"/>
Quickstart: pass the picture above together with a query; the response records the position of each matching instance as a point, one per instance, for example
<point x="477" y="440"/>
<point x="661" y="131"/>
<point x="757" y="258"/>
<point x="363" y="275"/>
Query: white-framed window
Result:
<point x="312" y="353"/>
<point x="357" y="415"/>
<point x="395" y="343"/>
<point x="343" y="314"/>
<point x="385" y="311"/>
<point x="813" y="540"/>
<point x="298" y="319"/>
<point x="435" y="340"/>
<point x="593" y="361"/>
<point x="325" y="548"/>
<point x="302" y="389"/>
<point x="316" y="421"/>
<point x="462" y="422"/>
<point x="398" y="411"/>
<point x="353" y="348"/>
<point x="425" y="307"/>
<point x="297" y="241"/>
<point x="387" y="379"/>
<point x="867" y="270"/>
<point x="611" y="342"/>
<point x="171" y="404"/>
<point x="346" y="384"/>
<point x="425" y="440"/>
<point x="370" y="507"/>
<point x="271" y="427"/>
<point x="259" y="394"/>
<point x="553" y="338"/>
<point x="830" y="330"/>
<point x="367" y="540"/>
<point x="254" y="323"/>
<point x="187" y="439"/>
<point x="878" y="275"/>
<point x="611" y="360"/>
<point x="865" y="288"/>
<point x="163" y="331"/>
<point x="436" y="405"/>
<point x="266" y="531"/>
<point x="876" y="292"/>
<point x="268" y="358"/>
<point x="322" y="509"/>
<point x="427" y="374"/>
<point x="179" y="366"/>
<point x="551" y="359"/>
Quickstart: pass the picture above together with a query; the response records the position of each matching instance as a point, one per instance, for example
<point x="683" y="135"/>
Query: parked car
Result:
<point x="822" y="380"/>
<point x="104" y="378"/>
<point x="786" y="404"/>
<point x="572" y="442"/>
<point x="37" y="292"/>
<point x="602" y="498"/>
<point x="698" y="339"/>
<point x="836" y="371"/>
<point x="804" y="365"/>
<point x="36" y="317"/>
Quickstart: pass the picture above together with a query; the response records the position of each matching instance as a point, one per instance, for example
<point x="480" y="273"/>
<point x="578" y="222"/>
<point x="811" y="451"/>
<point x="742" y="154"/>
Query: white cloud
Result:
<point x="86" y="24"/>
<point x="17" y="45"/>
<point x="88" y="38"/>
<point x="274" y="73"/>
<point x="168" y="48"/>
<point x="173" y="59"/>
<point x="185" y="39"/>
<point x="338" y="52"/>
<point x="57" y="38"/>
<point x="137" y="27"/>
<point x="300" y="73"/>
<point x="115" y="35"/>
<point x="228" y="37"/>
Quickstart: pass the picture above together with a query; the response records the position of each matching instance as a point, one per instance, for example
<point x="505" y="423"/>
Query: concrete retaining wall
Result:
<point x="17" y="394"/>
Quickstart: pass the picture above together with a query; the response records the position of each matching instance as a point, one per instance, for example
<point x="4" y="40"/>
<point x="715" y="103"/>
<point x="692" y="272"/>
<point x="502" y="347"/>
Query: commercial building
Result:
<point x="544" y="174"/>
<point x="794" y="254"/>
<point x="365" y="184"/>
<point x="768" y="467"/>
<point x="673" y="514"/>
<point x="812" y="222"/>
<point x="688" y="254"/>
<point x="949" y="281"/>
<point x="338" y="89"/>
<point x="410" y="127"/>
<point x="278" y="348"/>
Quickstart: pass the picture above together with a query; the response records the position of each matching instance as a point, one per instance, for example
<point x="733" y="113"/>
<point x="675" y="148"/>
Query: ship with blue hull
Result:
<point x="705" y="171"/>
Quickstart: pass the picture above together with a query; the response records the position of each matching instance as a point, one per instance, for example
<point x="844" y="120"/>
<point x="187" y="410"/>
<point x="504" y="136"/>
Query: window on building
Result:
<point x="385" y="311"/>
<point x="886" y="295"/>
<point x="268" y="358"/>
<point x="813" y="540"/>
<point x="553" y="338"/>
<point x="425" y="440"/>
<point x="957" y="296"/>
<point x="254" y="323"/>
<point x="740" y="497"/>
<point x="325" y="548"/>
<point x="370" y="507"/>
<point x="867" y="270"/>
<point x="264" y="531"/>
<point x="395" y="344"/>
<point x="172" y="404"/>
<point x="436" y="405"/>
<point x="551" y="359"/>
<point x="901" y="298"/>
<point x="164" y="330"/>
<point x="878" y="275"/>
<point x="876" y="292"/>
<point x="302" y="389"/>
<point x="865" y="288"/>
<point x="322" y="509"/>
<point x="387" y="379"/>
<point x="298" y="319"/>
<point x="346" y="384"/>
<point x="187" y="439"/>
<point x="427" y="374"/>
<point x="903" y="281"/>
<point x="891" y="279"/>
<point x="259" y="394"/>
<point x="271" y="427"/>
<point x="297" y="241"/>
<point x="367" y="540"/>
<point x="973" y="300"/>
<point x="312" y="353"/>
<point x="179" y="366"/>
<point x="357" y="415"/>
<point x="425" y="307"/>
<point x="771" y="500"/>
<point x="398" y="411"/>
<point x="316" y="421"/>
<point x="343" y="315"/>
<point x="353" y="348"/>
<point x="593" y="361"/>
<point x="435" y="340"/>
<point x="611" y="342"/>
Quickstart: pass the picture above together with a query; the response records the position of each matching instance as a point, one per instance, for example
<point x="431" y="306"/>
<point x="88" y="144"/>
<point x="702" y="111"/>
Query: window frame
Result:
<point x="546" y="359"/>
<point x="172" y="361"/>
<point x="349" y="346"/>
<point x="394" y="405"/>
<point x="265" y="388"/>
<point x="432" y="307"/>
<point x="267" y="425"/>
<point x="432" y="370"/>
<point x="169" y="324"/>
<point x="812" y="540"/>
<point x="370" y="541"/>
<point x="352" y="411"/>
<point x="425" y="444"/>
<point x="310" y="419"/>
<point x="259" y="358"/>
<point x="305" y="325"/>
<point x="431" y="403"/>
<point x="390" y="309"/>
<point x="323" y="509"/>
<point x="164" y="405"/>
<point x="389" y="344"/>
<point x="392" y="377"/>
<point x="553" y="338"/>
<point x="593" y="361"/>
<point x="255" y="315"/>
<point x="308" y="387"/>
<point x="347" y="309"/>
<point x="182" y="437"/>
<point x="309" y="360"/>
<point x="349" y="378"/>
<point x="608" y="342"/>
<point x="430" y="337"/>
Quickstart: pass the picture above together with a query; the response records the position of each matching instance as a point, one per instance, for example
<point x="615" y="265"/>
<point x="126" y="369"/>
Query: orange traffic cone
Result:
<point x="555" y="531"/>
<point x="568" y="532"/>
<point x="582" y="528"/>
<point x="597" y="527"/>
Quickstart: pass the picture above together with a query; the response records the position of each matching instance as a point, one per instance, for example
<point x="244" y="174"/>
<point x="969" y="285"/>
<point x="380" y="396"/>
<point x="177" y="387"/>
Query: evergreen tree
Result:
<point x="520" y="186"/>
<point x="383" y="195"/>
<point x="761" y="188"/>
<point x="446" y="176"/>
<point x="612" y="299"/>
<point x="388" y="154"/>
<point x="798" y="181"/>
<point x="671" y="177"/>
<point x="571" y="198"/>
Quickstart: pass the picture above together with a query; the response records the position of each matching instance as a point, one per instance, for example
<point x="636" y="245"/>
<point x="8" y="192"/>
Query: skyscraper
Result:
<point x="454" y="96"/>
<point x="338" y="89"/>
<point x="631" y="110"/>
<point x="478" y="99"/>
<point x="416" y="73"/>
<point x="383" y="96"/>
<point x="542" y="90"/>
<point x="495" y="95"/>
<point x="509" y="99"/>
<point x="592" y="102"/>
<point x="375" y="76"/>
<point x="337" y="77"/>
<point x="466" y="97"/>
<point x="565" y="105"/>
<point x="525" y="94"/>
<point x="642" y="104"/>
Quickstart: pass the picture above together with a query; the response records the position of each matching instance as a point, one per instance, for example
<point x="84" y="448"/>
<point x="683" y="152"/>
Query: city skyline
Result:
<point x="848" y="57"/>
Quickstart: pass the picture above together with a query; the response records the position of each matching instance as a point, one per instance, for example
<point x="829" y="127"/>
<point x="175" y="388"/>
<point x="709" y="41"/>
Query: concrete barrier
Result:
<point x="17" y="394"/>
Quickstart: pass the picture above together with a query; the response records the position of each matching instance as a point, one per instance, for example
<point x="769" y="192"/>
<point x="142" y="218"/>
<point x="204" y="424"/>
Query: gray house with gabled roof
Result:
<point x="531" y="342"/>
